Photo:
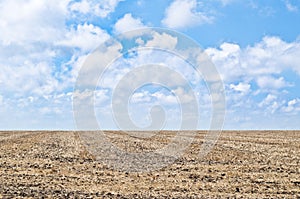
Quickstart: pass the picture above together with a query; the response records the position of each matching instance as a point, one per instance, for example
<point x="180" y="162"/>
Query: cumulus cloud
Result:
<point x="270" y="104"/>
<point x="266" y="82"/>
<point x="269" y="57"/>
<point x="292" y="106"/>
<point x="256" y="71"/>
<point x="51" y="111"/>
<point x="241" y="87"/>
<point x="141" y="97"/>
<point x="185" y="96"/>
<point x="99" y="8"/>
<point x="44" y="45"/>
<point x="81" y="6"/>
<point x="41" y="54"/>
<point x="26" y="45"/>
<point x="183" y="13"/>
<point x="45" y="19"/>
<point x="268" y="100"/>
<point x="166" y="99"/>
<point x="127" y="23"/>
<point x="164" y="41"/>
<point x="158" y="96"/>
<point x="29" y="78"/>
<point x="227" y="60"/>
<point x="86" y="37"/>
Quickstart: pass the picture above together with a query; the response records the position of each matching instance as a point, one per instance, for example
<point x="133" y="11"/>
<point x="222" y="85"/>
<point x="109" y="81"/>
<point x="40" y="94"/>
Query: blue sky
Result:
<point x="255" y="46"/>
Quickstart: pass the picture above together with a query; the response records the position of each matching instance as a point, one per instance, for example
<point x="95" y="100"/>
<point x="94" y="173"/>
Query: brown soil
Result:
<point x="243" y="164"/>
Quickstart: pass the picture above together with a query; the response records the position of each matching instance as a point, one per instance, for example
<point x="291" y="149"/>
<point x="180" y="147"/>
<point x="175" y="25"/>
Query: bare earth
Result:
<point x="243" y="164"/>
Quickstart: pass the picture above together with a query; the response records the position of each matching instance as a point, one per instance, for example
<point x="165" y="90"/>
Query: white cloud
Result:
<point x="75" y="63"/>
<point x="29" y="78"/>
<point x="227" y="60"/>
<point x="34" y="112"/>
<point x="266" y="82"/>
<point x="163" y="41"/>
<point x="159" y="96"/>
<point x="99" y="8"/>
<point x="33" y="65"/>
<point x="101" y="97"/>
<point x="127" y="23"/>
<point x="83" y="98"/>
<point x="25" y="21"/>
<point x="139" y="97"/>
<point x="165" y="99"/>
<point x="263" y="65"/>
<point x="26" y="45"/>
<point x="90" y="74"/>
<point x="241" y="87"/>
<point x="270" y="104"/>
<point x="227" y="50"/>
<point x="268" y="100"/>
<point x="86" y="37"/>
<point x="182" y="13"/>
<point x="269" y="57"/>
<point x="81" y="6"/>
<point x="182" y="94"/>
<point x="292" y="106"/>
<point x="230" y="49"/>
<point x="274" y="107"/>
<point x="275" y="103"/>
<point x="105" y="7"/>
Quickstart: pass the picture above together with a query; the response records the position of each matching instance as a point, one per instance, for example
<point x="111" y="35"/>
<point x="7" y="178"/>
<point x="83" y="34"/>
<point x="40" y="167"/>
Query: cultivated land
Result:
<point x="243" y="164"/>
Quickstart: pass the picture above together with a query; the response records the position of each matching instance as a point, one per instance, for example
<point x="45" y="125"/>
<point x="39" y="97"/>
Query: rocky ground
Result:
<point x="252" y="164"/>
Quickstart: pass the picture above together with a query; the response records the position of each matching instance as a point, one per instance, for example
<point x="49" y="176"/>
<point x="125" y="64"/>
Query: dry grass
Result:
<point x="252" y="164"/>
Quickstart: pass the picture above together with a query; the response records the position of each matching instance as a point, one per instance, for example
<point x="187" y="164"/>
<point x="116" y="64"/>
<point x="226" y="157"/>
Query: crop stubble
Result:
<point x="248" y="164"/>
